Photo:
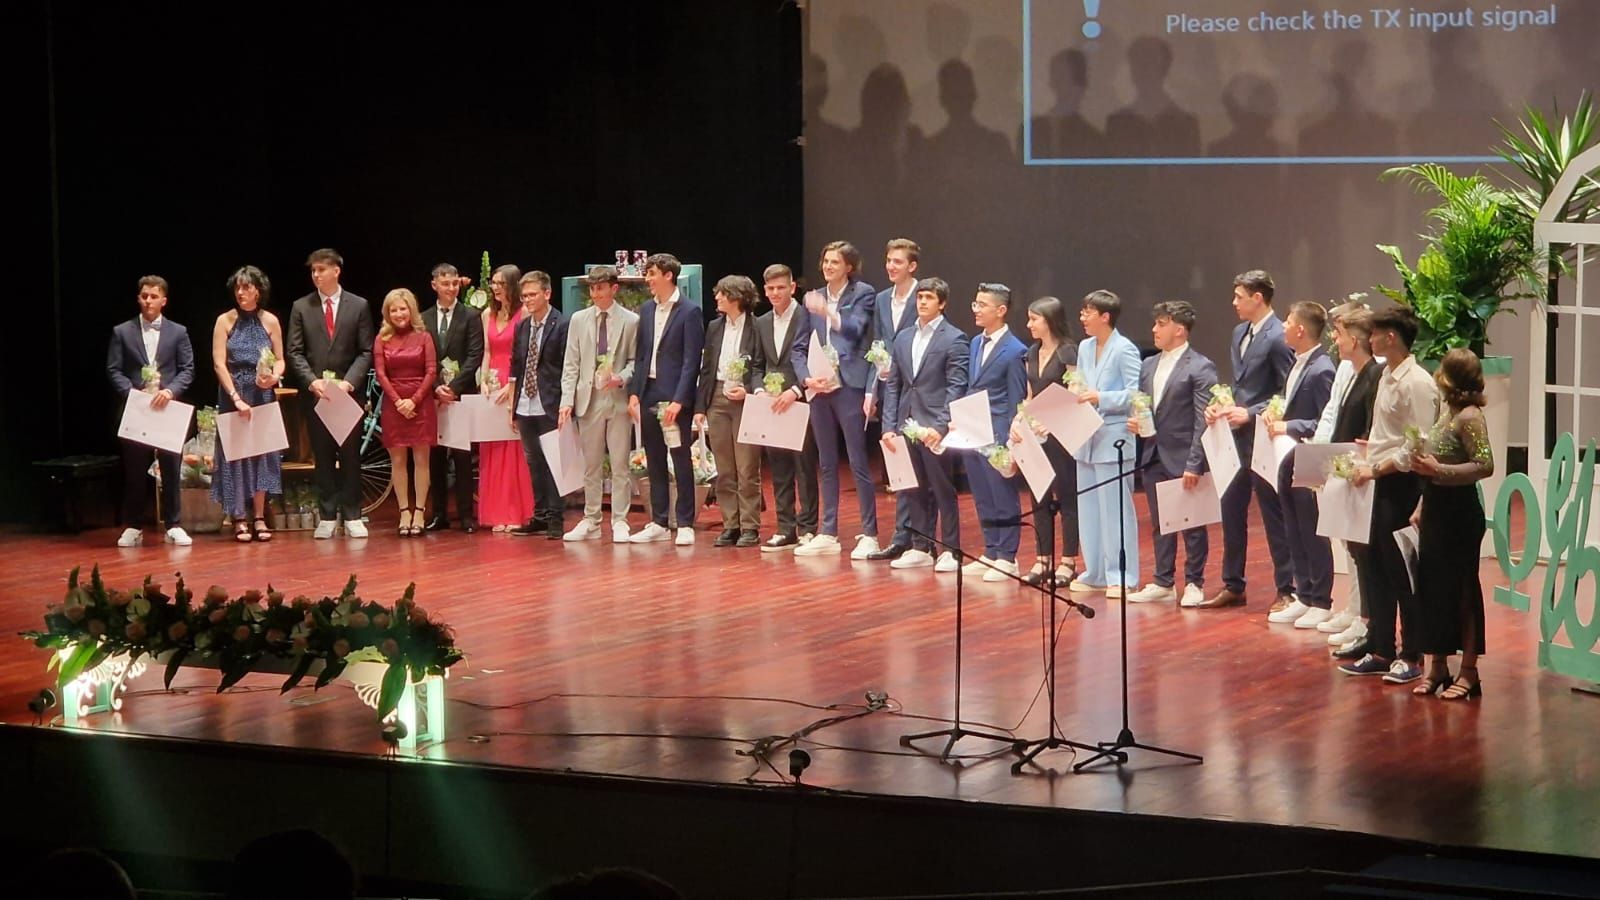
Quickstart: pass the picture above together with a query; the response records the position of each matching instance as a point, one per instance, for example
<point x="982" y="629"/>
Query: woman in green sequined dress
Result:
<point x="1450" y="523"/>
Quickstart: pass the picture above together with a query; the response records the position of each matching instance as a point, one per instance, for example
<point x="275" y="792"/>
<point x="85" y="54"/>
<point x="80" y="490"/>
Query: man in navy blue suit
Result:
<point x="666" y="370"/>
<point x="927" y="370"/>
<point x="840" y="315"/>
<point x="538" y="353"/>
<point x="1179" y="381"/>
<point x="894" y="311"/>
<point x="150" y="339"/>
<point x="997" y="365"/>
<point x="1305" y="393"/>
<point x="1261" y="362"/>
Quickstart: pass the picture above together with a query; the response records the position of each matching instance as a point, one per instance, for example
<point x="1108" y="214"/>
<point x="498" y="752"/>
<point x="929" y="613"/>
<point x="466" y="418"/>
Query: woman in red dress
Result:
<point x="505" y="491"/>
<point x="404" y="357"/>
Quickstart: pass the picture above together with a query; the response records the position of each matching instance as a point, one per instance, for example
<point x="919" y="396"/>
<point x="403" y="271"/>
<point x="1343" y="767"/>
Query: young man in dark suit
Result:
<point x="1305" y="394"/>
<point x="1347" y="418"/>
<point x="538" y="354"/>
<point x="330" y="330"/>
<point x="731" y="337"/>
<point x="1179" y="381"/>
<point x="997" y="364"/>
<point x="1261" y="363"/>
<point x="927" y="371"/>
<point x="794" y="472"/>
<point x="666" y="370"/>
<point x="457" y="331"/>
<point x="894" y="311"/>
<point x="150" y="339"/>
<point x="840" y="314"/>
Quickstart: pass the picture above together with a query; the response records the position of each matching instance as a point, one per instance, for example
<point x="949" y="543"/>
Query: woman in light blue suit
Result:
<point x="1109" y="366"/>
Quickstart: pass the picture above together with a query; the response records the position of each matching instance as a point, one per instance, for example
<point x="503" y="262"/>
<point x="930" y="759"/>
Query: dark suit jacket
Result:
<point x="1004" y="376"/>
<point x="1260" y="373"/>
<point x="926" y="396"/>
<point x="464" y="344"/>
<point x="1303" y="408"/>
<point x="349" y="353"/>
<point x="775" y="347"/>
<point x="851" y="339"/>
<point x="678" y="368"/>
<point x="1180" y="413"/>
<point x="126" y="356"/>
<point x="749" y="345"/>
<point x="552" y="358"/>
<point x="1355" y="414"/>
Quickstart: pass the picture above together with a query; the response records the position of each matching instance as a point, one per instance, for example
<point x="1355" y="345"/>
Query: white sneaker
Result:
<point x="864" y="546"/>
<point x="977" y="566"/>
<point x="619" y="532"/>
<point x="1313" y="617"/>
<point x="821" y="545"/>
<point x="1356" y="632"/>
<point x="946" y="563"/>
<point x="685" y="537"/>
<point x="585" y="530"/>
<point x="131" y="537"/>
<point x="1153" y="593"/>
<point x="1192" y="596"/>
<point x="1338" y="622"/>
<point x="355" y="528"/>
<point x="805" y="539"/>
<point x="324" y="529"/>
<point x="1002" y="568"/>
<point x="649" y="534"/>
<point x="1113" y="592"/>
<point x="176" y="535"/>
<point x="1289" y="613"/>
<point x="912" y="559"/>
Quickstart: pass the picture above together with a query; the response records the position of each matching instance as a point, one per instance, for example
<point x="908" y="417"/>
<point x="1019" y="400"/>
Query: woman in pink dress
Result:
<point x="403" y="356"/>
<point x="505" y="492"/>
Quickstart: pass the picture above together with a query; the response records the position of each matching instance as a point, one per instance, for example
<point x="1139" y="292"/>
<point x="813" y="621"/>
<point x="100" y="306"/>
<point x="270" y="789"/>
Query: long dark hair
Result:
<point x="1054" y="314"/>
<point x="512" y="276"/>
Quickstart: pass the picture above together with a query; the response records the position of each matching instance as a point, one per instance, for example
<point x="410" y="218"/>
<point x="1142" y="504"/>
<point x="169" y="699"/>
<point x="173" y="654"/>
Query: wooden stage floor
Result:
<point x="652" y="661"/>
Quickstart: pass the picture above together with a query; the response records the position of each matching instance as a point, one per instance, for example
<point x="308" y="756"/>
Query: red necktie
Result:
<point x="327" y="316"/>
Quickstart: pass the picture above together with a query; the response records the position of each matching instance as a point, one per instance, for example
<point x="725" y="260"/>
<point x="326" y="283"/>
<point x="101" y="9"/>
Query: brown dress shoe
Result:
<point x="1281" y="603"/>
<point x="1223" y="598"/>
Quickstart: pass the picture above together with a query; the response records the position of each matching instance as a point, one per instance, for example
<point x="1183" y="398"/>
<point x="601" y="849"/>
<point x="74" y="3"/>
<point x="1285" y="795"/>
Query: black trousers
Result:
<point x="440" y="461"/>
<point x="1312" y="554"/>
<point x="934" y="499"/>
<point x="655" y="454"/>
<point x="1196" y="541"/>
<point x="794" y="473"/>
<point x="1064" y="491"/>
<point x="1381" y="568"/>
<point x="138" y="487"/>
<point x="546" y="499"/>
<point x="337" y="472"/>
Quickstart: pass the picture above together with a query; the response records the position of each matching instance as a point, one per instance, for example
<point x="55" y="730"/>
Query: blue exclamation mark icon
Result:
<point x="1091" y="28"/>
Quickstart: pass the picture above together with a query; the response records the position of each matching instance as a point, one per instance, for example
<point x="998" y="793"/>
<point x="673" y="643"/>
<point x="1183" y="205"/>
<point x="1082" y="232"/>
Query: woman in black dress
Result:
<point x="1053" y="353"/>
<point x="1450" y="525"/>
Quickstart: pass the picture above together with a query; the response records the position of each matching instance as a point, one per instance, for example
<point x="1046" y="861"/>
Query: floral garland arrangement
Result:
<point x="94" y="623"/>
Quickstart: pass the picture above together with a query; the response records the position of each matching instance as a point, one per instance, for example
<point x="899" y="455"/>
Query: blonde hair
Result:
<point x="386" y="330"/>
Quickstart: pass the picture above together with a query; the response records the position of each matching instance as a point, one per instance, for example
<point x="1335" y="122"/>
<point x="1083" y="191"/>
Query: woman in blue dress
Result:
<point x="246" y="379"/>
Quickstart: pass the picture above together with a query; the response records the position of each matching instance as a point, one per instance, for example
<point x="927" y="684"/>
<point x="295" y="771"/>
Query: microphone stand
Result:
<point x="1115" y="751"/>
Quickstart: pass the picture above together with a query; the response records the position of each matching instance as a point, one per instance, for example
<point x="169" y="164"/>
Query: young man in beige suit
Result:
<point x="601" y="341"/>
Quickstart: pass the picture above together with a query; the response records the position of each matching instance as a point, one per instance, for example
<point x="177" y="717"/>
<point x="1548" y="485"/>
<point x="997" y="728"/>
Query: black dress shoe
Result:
<point x="437" y="523"/>
<point x="893" y="551"/>
<point x="469" y="527"/>
<point x="1359" y="650"/>
<point x="553" y="529"/>
<point x="749" y="538"/>
<point x="727" y="538"/>
<point x="529" y="529"/>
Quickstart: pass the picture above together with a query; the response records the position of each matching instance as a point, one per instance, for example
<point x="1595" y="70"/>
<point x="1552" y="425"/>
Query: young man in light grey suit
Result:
<point x="927" y="371"/>
<point x="598" y="396"/>
<point x="1179" y="381"/>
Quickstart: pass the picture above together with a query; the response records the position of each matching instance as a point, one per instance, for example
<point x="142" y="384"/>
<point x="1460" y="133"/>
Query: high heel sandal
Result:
<point x="1071" y="573"/>
<point x="416" y="522"/>
<point x="263" y="533"/>
<point x="1434" y="685"/>
<point x="404" y="529"/>
<point x="241" y="531"/>
<point x="1037" y="574"/>
<point x="1460" y="690"/>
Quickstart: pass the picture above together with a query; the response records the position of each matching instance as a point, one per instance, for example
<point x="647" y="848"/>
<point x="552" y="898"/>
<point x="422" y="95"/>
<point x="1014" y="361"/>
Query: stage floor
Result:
<point x="664" y="662"/>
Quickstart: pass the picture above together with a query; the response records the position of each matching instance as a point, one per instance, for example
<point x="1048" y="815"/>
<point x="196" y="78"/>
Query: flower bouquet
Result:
<point x="1414" y="441"/>
<point x="1275" y="407"/>
<point x="1221" y="395"/>
<point x="330" y="375"/>
<point x="1344" y="466"/>
<point x="833" y="358"/>
<point x="1074" y="381"/>
<point x="488" y="381"/>
<point x="1140" y="403"/>
<point x="149" y="379"/>
<point x="638" y="466"/>
<point x="917" y="433"/>
<point x="478" y="297"/>
<point x="672" y="435"/>
<point x="999" y="456"/>
<point x="878" y="355"/>
<point x="733" y="375"/>
<point x="266" y="363"/>
<point x="703" y="461"/>
<point x="773" y="383"/>
<point x="449" y="370"/>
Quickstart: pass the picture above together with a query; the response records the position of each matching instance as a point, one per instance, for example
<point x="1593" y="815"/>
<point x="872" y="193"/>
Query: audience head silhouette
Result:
<point x="320" y="869"/>
<point x="80" y="874"/>
<point x="608" y="884"/>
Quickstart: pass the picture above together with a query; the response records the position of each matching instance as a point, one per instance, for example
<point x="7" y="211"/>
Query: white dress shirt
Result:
<point x="663" y="312"/>
<point x="1343" y="378"/>
<point x="990" y="339"/>
<point x="1164" y="366"/>
<point x="1295" y="371"/>
<point x="151" y="332"/>
<point x="920" y="340"/>
<point x="732" y="337"/>
<point x="1250" y="334"/>
<point x="444" y="317"/>
<point x="1407" y="395"/>
<point x="526" y="405"/>
<point x="322" y="303"/>
<point x="897" y="308"/>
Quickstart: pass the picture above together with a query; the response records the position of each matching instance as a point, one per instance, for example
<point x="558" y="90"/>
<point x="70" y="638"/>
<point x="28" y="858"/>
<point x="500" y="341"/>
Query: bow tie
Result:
<point x="152" y="326"/>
